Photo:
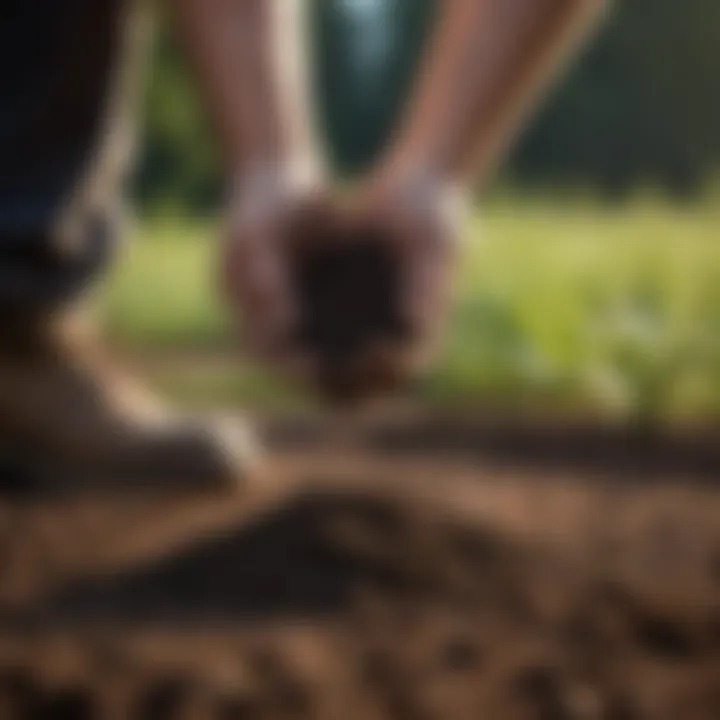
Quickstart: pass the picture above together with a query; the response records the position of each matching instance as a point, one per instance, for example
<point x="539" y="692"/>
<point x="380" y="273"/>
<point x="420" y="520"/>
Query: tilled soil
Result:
<point x="369" y="582"/>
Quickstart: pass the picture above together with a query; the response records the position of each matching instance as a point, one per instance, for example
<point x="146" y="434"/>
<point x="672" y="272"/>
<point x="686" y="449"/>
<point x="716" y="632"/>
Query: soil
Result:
<point x="340" y="322"/>
<point x="376" y="574"/>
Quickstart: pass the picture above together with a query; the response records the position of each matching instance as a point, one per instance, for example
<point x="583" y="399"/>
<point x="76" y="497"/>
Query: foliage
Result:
<point x="642" y="107"/>
<point x="560" y="305"/>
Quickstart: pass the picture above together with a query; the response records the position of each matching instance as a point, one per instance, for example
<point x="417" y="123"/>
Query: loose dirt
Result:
<point x="371" y="578"/>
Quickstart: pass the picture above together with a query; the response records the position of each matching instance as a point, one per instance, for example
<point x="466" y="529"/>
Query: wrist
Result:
<point x="423" y="148"/>
<point x="422" y="184"/>
<point x="271" y="176"/>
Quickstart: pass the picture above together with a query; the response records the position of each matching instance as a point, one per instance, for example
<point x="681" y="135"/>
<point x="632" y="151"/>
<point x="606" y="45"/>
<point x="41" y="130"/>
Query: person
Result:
<point x="67" y="79"/>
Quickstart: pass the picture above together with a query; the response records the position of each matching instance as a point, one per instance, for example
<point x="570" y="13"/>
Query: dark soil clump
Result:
<point x="348" y="289"/>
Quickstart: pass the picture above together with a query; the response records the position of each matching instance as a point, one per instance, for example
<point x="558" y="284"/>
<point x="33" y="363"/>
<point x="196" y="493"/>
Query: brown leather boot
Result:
<point x="78" y="423"/>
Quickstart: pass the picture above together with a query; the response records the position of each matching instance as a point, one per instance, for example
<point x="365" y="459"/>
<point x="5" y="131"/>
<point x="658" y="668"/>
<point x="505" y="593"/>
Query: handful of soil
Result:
<point x="348" y="288"/>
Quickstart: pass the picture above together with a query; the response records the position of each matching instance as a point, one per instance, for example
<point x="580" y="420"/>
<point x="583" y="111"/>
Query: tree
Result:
<point x="643" y="106"/>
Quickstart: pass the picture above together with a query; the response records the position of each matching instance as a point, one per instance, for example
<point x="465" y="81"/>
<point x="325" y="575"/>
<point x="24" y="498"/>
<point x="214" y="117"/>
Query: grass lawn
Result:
<point x="560" y="304"/>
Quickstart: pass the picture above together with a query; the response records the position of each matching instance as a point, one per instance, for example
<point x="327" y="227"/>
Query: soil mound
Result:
<point x="508" y="596"/>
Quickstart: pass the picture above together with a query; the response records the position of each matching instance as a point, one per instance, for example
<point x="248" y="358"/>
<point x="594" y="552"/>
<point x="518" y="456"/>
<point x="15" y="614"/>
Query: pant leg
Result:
<point x="37" y="273"/>
<point x="69" y="73"/>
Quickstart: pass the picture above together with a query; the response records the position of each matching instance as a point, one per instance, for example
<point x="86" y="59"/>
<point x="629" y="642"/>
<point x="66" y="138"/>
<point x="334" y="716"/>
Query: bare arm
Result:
<point x="486" y="66"/>
<point x="484" y="69"/>
<point x="251" y="64"/>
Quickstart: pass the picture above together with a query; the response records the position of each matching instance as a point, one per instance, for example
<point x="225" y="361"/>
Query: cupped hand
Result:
<point x="271" y="211"/>
<point x="348" y="297"/>
<point x="418" y="219"/>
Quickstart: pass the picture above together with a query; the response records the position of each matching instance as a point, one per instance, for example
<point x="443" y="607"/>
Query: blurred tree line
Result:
<point x="641" y="108"/>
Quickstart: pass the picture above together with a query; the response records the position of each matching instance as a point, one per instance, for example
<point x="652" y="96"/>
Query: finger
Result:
<point x="270" y="327"/>
<point x="258" y="290"/>
<point x="421" y="291"/>
<point x="240" y="254"/>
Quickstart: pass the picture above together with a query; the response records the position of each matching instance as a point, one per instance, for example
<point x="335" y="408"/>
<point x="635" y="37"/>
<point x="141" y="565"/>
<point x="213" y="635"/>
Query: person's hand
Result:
<point x="418" y="219"/>
<point x="256" y="273"/>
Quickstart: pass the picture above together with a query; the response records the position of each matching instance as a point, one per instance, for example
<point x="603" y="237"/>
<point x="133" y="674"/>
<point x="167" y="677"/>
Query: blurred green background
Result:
<point x="593" y="273"/>
<point x="642" y="107"/>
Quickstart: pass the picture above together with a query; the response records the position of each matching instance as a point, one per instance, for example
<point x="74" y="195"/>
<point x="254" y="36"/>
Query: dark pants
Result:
<point x="36" y="275"/>
<point x="65" y="92"/>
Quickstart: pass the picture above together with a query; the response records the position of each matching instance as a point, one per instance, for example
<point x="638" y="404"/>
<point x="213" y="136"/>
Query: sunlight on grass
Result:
<point x="162" y="296"/>
<point x="574" y="305"/>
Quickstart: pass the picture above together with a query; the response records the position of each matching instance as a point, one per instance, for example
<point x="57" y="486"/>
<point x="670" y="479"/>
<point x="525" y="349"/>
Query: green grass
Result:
<point x="560" y="305"/>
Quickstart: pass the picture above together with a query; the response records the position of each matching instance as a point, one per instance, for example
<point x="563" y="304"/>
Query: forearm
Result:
<point x="250" y="60"/>
<point x="486" y="66"/>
